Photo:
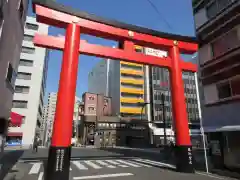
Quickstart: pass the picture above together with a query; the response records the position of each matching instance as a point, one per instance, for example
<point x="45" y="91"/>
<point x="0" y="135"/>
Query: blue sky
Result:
<point x="178" y="13"/>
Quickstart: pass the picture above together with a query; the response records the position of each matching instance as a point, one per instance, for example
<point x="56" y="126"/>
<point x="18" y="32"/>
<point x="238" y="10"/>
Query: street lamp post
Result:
<point x="143" y="106"/>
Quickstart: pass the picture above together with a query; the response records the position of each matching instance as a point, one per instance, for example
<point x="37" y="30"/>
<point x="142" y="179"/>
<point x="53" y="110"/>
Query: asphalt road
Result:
<point x="105" y="164"/>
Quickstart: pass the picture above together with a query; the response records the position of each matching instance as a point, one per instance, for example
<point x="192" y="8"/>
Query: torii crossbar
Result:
<point x="76" y="23"/>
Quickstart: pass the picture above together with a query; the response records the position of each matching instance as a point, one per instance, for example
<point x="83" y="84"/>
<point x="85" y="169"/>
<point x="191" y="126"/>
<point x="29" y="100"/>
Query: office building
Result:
<point x="123" y="82"/>
<point x="50" y="114"/>
<point x="217" y="28"/>
<point x="11" y="13"/>
<point x="99" y="75"/>
<point x="43" y="125"/>
<point x="30" y="83"/>
<point x="101" y="128"/>
<point x="160" y="111"/>
<point x="132" y="86"/>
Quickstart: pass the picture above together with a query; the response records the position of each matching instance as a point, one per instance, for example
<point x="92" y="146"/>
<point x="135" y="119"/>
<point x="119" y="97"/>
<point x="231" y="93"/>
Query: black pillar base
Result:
<point x="184" y="159"/>
<point x="58" y="163"/>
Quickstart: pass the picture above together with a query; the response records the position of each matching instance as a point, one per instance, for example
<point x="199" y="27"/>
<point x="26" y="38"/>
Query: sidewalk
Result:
<point x="8" y="161"/>
<point x="149" y="150"/>
<point x="215" y="172"/>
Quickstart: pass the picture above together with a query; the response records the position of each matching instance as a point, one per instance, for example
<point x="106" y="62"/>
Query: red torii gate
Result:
<point x="75" y="23"/>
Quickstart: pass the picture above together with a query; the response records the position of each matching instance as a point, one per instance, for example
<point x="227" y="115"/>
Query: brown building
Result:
<point x="100" y="128"/>
<point x="218" y="30"/>
<point x="12" y="20"/>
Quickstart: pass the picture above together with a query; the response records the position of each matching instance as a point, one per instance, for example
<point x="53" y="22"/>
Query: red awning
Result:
<point x="17" y="134"/>
<point x="16" y="119"/>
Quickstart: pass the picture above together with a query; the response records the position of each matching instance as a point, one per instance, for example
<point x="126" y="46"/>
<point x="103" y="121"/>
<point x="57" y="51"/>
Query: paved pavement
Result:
<point x="108" y="163"/>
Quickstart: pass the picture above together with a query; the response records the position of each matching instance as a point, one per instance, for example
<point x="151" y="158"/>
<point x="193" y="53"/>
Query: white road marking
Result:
<point x="210" y="175"/>
<point x="35" y="168"/>
<point x="70" y="168"/>
<point x="103" y="176"/>
<point x="40" y="177"/>
<point x="116" y="163"/>
<point x="128" y="163"/>
<point x="79" y="165"/>
<point x="155" y="163"/>
<point x="105" y="164"/>
<point x="141" y="164"/>
<point x="95" y="166"/>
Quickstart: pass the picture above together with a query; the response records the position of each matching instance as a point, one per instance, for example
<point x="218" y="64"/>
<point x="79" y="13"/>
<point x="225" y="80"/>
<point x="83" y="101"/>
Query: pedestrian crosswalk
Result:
<point x="84" y="165"/>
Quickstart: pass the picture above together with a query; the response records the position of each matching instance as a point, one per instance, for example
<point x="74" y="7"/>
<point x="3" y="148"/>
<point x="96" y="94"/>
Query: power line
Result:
<point x="160" y="14"/>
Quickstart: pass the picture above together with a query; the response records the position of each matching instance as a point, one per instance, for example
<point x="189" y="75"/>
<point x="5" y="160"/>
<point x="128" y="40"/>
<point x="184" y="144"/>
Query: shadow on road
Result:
<point x="8" y="161"/>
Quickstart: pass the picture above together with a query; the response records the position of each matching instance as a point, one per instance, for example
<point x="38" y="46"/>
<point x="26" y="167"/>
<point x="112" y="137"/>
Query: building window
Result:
<point x="91" y="109"/>
<point x="19" y="104"/>
<point x="31" y="26"/>
<point x="24" y="62"/>
<point x="224" y="90"/>
<point x="22" y="89"/>
<point x="28" y="37"/>
<point x="91" y="98"/>
<point x="235" y="86"/>
<point x="1" y="16"/>
<point x="140" y="86"/>
<point x="131" y="67"/>
<point x="25" y="76"/>
<point x="21" y="9"/>
<point x="225" y="43"/>
<point x="216" y="6"/>
<point x="28" y="50"/>
<point x="11" y="75"/>
<point x="132" y="95"/>
<point x="131" y="105"/>
<point x="212" y="9"/>
<point x="131" y="76"/>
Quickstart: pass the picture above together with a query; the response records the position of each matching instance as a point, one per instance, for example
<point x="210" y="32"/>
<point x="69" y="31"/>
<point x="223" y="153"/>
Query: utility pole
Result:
<point x="164" y="119"/>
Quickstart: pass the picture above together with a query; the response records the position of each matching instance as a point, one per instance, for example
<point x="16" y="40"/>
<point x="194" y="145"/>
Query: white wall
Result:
<point x="51" y="110"/>
<point x="33" y="97"/>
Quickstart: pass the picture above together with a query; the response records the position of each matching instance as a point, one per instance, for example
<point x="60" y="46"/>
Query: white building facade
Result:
<point x="50" y="111"/>
<point x="30" y="83"/>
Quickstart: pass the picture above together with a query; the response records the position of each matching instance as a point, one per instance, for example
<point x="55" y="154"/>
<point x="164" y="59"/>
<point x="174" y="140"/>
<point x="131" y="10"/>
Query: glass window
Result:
<point x="22" y="89"/>
<point x="212" y="9"/>
<point x="131" y="76"/>
<point x="21" y="9"/>
<point x="225" y="43"/>
<point x="224" y="90"/>
<point x="19" y="104"/>
<point x="25" y="76"/>
<point x="131" y="67"/>
<point x="235" y="86"/>
<point x="91" y="98"/>
<point x="132" y="85"/>
<point x="223" y="3"/>
<point x="11" y="75"/>
<point x="24" y="62"/>
<point x="132" y="104"/>
<point x="132" y="95"/>
<point x="28" y="37"/>
<point x="28" y="50"/>
<point x="31" y="26"/>
<point x="91" y="109"/>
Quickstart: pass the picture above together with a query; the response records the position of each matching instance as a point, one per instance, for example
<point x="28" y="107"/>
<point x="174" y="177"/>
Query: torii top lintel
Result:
<point x="55" y="14"/>
<point x="89" y="22"/>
